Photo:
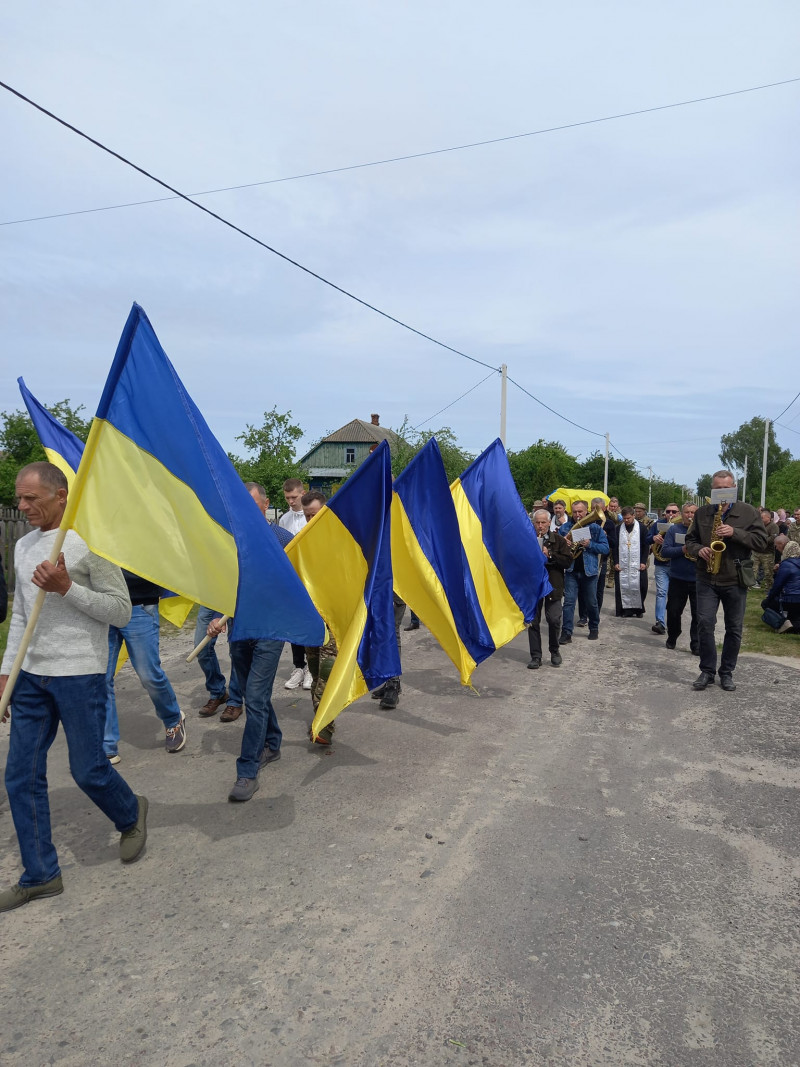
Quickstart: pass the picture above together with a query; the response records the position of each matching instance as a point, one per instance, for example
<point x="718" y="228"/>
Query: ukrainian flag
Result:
<point x="156" y="494"/>
<point x="343" y="558"/>
<point x="429" y="563"/>
<point x="504" y="557"/>
<point x="65" y="450"/>
<point x="62" y="448"/>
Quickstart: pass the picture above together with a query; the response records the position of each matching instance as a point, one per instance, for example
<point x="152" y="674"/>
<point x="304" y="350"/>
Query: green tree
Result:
<point x="783" y="487"/>
<point x="273" y="446"/>
<point x="19" y="442"/>
<point x="624" y="481"/>
<point x="542" y="467"/>
<point x="455" y="458"/>
<point x="748" y="441"/>
<point x="704" y="485"/>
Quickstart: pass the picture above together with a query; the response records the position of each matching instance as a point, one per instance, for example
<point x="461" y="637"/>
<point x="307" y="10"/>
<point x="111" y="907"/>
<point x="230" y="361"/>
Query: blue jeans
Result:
<point x="256" y="664"/>
<point x="734" y="600"/>
<point x="141" y="638"/>
<point x="586" y="586"/>
<point x="215" y="679"/>
<point x="37" y="706"/>
<point x="662" y="588"/>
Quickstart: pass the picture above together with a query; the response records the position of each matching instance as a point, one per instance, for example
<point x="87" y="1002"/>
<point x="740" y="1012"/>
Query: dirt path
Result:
<point x="590" y="865"/>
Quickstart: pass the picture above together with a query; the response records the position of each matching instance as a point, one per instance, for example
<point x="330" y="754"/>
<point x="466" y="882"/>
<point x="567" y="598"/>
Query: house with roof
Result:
<point x="331" y="460"/>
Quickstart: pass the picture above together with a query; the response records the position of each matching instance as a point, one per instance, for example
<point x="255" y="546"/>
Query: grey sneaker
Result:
<point x="268" y="755"/>
<point x="176" y="736"/>
<point x="18" y="894"/>
<point x="244" y="789"/>
<point x="132" y="842"/>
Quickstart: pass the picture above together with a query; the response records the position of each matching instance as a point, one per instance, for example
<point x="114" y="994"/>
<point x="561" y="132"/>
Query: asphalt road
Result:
<point x="590" y="866"/>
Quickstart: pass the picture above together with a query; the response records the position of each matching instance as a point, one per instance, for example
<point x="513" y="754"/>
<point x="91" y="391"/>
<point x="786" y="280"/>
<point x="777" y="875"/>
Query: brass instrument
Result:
<point x="594" y="516"/>
<point x="657" y="548"/>
<point x="717" y="547"/>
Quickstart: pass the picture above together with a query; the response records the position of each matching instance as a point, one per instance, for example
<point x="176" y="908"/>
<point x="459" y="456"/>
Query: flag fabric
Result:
<point x="507" y="565"/>
<point x="343" y="558"/>
<point x="569" y="496"/>
<point x="64" y="449"/>
<point x="429" y="564"/>
<point x="61" y="446"/>
<point x="156" y="494"/>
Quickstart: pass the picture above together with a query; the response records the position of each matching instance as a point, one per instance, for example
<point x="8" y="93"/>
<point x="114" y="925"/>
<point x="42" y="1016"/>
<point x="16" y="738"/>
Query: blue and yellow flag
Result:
<point x="156" y="494"/>
<point x="61" y="446"/>
<point x="343" y="558"/>
<point x="507" y="564"/>
<point x="65" y="450"/>
<point x="429" y="563"/>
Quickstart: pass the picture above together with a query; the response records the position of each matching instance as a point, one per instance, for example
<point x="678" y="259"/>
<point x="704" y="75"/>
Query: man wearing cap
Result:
<point x="682" y="580"/>
<point x="641" y="516"/>
<point x="661" y="569"/>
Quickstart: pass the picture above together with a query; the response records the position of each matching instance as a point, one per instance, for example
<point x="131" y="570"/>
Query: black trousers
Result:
<point x="679" y="592"/>
<point x="552" y="613"/>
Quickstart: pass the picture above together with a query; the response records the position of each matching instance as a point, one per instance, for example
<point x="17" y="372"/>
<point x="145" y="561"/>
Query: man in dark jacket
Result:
<point x="629" y="551"/>
<point x="557" y="558"/>
<point x="742" y="531"/>
<point x="682" y="580"/>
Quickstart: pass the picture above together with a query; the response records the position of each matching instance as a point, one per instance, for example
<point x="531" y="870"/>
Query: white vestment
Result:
<point x="630" y="589"/>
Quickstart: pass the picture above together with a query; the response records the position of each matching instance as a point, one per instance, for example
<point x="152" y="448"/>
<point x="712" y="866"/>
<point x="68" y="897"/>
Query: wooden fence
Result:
<point x="12" y="527"/>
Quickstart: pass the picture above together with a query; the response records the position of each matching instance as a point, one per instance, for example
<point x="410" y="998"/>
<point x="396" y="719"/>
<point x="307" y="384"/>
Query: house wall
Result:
<point x="332" y="454"/>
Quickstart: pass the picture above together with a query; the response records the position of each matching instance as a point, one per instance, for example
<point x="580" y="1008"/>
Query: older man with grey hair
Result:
<point x="557" y="558"/>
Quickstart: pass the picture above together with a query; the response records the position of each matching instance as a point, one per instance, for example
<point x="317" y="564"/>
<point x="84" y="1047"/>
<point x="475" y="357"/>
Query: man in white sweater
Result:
<point x="62" y="681"/>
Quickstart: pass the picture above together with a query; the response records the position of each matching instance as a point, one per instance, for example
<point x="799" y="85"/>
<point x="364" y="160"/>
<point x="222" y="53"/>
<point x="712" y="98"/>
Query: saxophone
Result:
<point x="717" y="547"/>
<point x="657" y="548"/>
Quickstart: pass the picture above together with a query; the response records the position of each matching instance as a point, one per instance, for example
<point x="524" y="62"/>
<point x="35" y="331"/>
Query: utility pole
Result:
<point x="764" y="464"/>
<point x="605" y="472"/>
<point x="503" y="388"/>
<point x="744" y="480"/>
<point x="650" y="491"/>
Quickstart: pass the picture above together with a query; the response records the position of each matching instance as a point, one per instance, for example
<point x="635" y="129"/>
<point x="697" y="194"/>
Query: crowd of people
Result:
<point x="93" y="607"/>
<point x="601" y="546"/>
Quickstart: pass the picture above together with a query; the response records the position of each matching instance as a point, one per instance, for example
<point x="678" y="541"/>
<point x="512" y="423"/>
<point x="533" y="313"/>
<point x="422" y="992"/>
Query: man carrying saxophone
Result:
<point x="721" y="536"/>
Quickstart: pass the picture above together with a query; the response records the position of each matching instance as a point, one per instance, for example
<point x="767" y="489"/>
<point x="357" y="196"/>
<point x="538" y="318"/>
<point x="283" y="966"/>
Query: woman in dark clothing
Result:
<point x="785" y="591"/>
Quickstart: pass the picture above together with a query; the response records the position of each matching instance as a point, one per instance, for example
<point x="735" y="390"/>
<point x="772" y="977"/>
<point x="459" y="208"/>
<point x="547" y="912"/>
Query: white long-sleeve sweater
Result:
<point x="71" y="636"/>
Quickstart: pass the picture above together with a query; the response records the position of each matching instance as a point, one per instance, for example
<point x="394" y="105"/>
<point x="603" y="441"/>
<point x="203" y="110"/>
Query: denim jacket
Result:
<point x="592" y="550"/>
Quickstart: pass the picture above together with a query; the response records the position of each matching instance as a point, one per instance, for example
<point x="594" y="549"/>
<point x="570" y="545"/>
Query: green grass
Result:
<point x="4" y="629"/>
<point x="758" y="637"/>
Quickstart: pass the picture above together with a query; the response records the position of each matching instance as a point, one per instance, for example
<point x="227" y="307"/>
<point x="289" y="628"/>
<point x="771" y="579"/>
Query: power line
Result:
<point x="471" y="389"/>
<point x="553" y="410"/>
<point x="244" y="233"/>
<point x="786" y="408"/>
<point x="404" y="158"/>
<point x="789" y="428"/>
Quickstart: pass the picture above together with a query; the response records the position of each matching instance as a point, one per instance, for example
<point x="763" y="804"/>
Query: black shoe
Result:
<point x="555" y="659"/>
<point x="593" y="635"/>
<point x="377" y="694"/>
<point x="695" y="650"/>
<point x="534" y="664"/>
<point x="391" y="694"/>
<point x="727" y="683"/>
<point x="412" y="626"/>
<point x="659" y="628"/>
<point x="565" y="639"/>
<point x="703" y="681"/>
<point x="669" y="644"/>
<point x="582" y="622"/>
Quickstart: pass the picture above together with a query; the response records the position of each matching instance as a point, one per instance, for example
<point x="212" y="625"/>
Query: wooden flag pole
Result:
<point x="196" y="651"/>
<point x="27" y="636"/>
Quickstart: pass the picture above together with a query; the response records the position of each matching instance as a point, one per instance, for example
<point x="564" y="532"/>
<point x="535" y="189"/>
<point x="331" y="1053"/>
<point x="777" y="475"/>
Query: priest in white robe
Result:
<point x="629" y="552"/>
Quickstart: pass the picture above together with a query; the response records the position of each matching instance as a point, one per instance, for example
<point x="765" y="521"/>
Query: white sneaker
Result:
<point x="295" y="679"/>
<point x="308" y="681"/>
<point x="114" y="759"/>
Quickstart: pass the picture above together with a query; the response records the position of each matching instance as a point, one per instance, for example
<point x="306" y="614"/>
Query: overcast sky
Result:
<point x="639" y="276"/>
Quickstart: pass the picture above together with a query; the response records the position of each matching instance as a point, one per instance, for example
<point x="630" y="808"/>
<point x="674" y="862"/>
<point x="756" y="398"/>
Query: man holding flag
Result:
<point x="62" y="681"/>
